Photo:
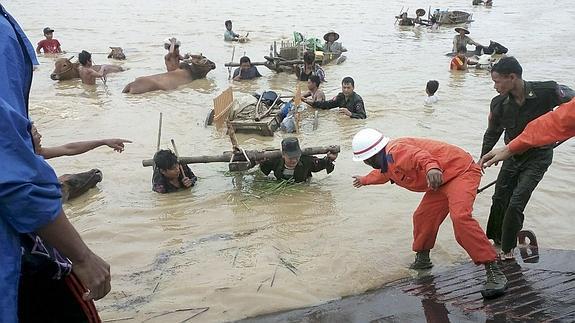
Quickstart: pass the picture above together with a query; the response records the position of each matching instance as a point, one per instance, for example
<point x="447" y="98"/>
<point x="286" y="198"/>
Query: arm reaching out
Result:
<point x="77" y="148"/>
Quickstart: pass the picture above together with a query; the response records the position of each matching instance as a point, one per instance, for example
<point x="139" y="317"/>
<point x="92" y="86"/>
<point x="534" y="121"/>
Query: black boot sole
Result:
<point x="493" y="293"/>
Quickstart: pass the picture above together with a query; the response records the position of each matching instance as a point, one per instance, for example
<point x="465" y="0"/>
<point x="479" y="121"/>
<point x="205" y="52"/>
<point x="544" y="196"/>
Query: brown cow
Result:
<point x="117" y="53"/>
<point x="195" y="68"/>
<point x="64" y="69"/>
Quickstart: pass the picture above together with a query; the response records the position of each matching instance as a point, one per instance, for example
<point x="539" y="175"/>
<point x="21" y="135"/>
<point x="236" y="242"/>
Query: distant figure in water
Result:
<point x="49" y="45"/>
<point x="229" y="34"/>
<point x="173" y="57"/>
<point x="87" y="74"/>
<point x="169" y="175"/>
<point x="431" y="89"/>
<point x="460" y="61"/>
<point x="462" y="40"/>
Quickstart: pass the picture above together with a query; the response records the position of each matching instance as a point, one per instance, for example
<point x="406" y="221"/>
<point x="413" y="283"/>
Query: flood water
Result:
<point x="232" y="243"/>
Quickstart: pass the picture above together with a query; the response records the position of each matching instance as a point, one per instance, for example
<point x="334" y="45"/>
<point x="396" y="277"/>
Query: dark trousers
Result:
<point x="517" y="179"/>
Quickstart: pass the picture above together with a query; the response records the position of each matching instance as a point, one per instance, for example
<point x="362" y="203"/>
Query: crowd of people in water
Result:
<point x="42" y="254"/>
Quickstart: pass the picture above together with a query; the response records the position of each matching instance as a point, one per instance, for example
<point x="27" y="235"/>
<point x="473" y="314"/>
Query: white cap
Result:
<point x="366" y="143"/>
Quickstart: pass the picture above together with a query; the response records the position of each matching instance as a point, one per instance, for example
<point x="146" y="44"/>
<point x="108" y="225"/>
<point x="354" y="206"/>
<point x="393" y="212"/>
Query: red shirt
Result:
<point x="50" y="46"/>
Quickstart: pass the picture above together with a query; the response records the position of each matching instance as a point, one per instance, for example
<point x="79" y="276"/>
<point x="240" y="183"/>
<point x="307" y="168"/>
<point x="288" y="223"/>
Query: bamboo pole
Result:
<point x="254" y="155"/>
<point x="297" y="102"/>
<point x="159" y="133"/>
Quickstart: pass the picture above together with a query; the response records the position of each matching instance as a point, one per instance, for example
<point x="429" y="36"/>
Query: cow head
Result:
<point x="64" y="69"/>
<point x="117" y="53"/>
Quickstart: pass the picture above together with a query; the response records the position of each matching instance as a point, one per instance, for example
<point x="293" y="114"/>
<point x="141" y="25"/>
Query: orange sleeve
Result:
<point x="374" y="177"/>
<point x="551" y="127"/>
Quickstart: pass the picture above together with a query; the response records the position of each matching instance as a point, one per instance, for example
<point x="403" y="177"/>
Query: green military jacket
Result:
<point x="302" y="171"/>
<point x="507" y="116"/>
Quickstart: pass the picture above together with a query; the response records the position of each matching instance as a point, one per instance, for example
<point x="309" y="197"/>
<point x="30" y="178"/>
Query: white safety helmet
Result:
<point x="366" y="143"/>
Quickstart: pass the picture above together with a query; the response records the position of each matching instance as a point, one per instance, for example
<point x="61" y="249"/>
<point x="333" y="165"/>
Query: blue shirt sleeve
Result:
<point x="29" y="190"/>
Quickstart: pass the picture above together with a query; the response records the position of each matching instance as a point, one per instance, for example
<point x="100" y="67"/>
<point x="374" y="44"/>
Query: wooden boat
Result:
<point x="260" y="118"/>
<point x="291" y="53"/>
<point x="455" y="17"/>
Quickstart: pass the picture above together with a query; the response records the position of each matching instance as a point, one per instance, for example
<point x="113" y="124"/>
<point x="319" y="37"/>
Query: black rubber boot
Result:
<point x="422" y="261"/>
<point x="496" y="282"/>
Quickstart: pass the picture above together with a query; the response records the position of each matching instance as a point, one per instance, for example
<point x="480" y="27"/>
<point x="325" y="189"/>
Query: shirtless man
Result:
<point x="87" y="74"/>
<point x="173" y="57"/>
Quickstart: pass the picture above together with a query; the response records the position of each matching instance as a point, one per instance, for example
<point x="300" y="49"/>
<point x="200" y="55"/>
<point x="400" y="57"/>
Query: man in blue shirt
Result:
<point x="29" y="190"/>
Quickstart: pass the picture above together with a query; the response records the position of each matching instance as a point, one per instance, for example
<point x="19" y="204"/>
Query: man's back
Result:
<point x="172" y="61"/>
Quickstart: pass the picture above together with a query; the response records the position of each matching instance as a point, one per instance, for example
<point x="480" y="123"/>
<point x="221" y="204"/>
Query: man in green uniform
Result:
<point x="294" y="166"/>
<point x="349" y="102"/>
<point x="518" y="103"/>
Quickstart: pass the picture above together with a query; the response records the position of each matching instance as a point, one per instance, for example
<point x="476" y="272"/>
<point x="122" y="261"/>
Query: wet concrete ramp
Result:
<point x="541" y="289"/>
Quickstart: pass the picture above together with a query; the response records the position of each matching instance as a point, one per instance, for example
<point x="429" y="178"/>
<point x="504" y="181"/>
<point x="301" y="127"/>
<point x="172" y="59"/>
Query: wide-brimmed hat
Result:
<point x="290" y="147"/>
<point x="331" y="32"/>
<point x="459" y="29"/>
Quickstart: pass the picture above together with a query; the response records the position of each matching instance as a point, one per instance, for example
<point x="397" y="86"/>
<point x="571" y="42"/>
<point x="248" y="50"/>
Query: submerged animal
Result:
<point x="74" y="185"/>
<point x="64" y="69"/>
<point x="117" y="53"/>
<point x="196" y="67"/>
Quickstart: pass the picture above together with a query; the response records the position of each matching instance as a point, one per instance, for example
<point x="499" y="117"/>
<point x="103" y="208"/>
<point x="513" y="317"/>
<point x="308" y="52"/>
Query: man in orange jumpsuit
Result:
<point x="449" y="177"/>
<point x="557" y="125"/>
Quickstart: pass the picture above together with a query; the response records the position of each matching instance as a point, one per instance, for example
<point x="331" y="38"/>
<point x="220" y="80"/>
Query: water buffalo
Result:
<point x="74" y="185"/>
<point x="196" y="67"/>
<point x="64" y="69"/>
<point x="117" y="53"/>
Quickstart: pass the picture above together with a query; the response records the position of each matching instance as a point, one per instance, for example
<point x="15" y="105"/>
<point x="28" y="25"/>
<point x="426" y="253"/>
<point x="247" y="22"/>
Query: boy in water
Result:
<point x="229" y="34"/>
<point x="87" y="74"/>
<point x="49" y="45"/>
<point x="430" y="89"/>
<point x="169" y="175"/>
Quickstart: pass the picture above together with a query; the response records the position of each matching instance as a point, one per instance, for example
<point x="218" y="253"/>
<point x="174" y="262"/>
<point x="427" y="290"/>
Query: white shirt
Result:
<point x="431" y="100"/>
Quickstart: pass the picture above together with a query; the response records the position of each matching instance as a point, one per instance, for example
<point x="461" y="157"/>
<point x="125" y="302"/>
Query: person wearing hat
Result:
<point x="295" y="166"/>
<point x="173" y="57"/>
<point x="449" y="177"/>
<point x="461" y="39"/>
<point x="48" y="45"/>
<point x="331" y="46"/>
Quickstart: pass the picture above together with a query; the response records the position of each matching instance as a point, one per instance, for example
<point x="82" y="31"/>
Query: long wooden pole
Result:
<point x="159" y="133"/>
<point x="255" y="155"/>
<point x="178" y="155"/>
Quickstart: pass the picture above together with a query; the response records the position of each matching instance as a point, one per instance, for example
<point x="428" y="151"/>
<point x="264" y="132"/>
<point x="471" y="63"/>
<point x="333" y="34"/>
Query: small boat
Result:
<point x="446" y="17"/>
<point x="262" y="118"/>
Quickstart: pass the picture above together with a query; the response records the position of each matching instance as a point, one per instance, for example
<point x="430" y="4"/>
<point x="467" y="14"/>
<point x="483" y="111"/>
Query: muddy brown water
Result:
<point x="222" y="244"/>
